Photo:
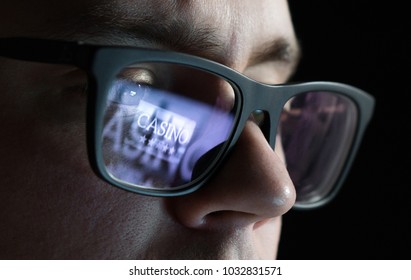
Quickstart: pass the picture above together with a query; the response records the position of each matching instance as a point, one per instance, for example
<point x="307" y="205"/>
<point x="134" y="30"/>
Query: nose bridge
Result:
<point x="252" y="185"/>
<point x="269" y="99"/>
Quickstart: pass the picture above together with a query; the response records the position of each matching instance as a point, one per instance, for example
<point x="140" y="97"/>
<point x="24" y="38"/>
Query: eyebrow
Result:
<point x="279" y="49"/>
<point x="157" y="30"/>
<point x="178" y="34"/>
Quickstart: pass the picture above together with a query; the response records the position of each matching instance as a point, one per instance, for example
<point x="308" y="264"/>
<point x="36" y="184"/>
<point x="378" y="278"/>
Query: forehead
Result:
<point x="236" y="26"/>
<point x="259" y="15"/>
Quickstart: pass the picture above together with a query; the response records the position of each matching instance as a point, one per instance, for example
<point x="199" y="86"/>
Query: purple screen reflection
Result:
<point x="154" y="138"/>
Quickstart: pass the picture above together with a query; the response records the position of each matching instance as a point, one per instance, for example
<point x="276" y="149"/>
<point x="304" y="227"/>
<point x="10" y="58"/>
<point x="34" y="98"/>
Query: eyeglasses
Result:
<point x="160" y="123"/>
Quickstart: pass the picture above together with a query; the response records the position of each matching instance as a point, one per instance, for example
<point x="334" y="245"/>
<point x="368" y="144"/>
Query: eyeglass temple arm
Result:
<point x="46" y="51"/>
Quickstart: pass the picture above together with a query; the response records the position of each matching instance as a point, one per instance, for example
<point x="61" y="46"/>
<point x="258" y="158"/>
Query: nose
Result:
<point x="253" y="185"/>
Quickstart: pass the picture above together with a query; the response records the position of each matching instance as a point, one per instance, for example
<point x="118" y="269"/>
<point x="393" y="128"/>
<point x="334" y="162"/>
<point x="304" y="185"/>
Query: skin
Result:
<point x="54" y="207"/>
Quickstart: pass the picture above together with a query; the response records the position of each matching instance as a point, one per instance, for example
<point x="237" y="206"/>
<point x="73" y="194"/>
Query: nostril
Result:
<point x="230" y="219"/>
<point x="260" y="223"/>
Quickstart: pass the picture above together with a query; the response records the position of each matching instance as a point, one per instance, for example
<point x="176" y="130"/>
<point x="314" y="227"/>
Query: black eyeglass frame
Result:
<point x="103" y="63"/>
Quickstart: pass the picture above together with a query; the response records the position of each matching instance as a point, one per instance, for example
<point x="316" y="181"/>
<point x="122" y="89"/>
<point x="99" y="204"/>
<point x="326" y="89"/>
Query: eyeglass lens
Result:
<point x="316" y="132"/>
<point x="166" y="125"/>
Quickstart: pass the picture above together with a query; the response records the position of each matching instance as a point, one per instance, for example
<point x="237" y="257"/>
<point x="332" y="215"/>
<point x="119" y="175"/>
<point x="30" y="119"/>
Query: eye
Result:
<point x="138" y="75"/>
<point x="131" y="85"/>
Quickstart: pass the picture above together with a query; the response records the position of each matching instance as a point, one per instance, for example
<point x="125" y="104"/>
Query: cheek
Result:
<point x="42" y="143"/>
<point x="42" y="124"/>
<point x="56" y="206"/>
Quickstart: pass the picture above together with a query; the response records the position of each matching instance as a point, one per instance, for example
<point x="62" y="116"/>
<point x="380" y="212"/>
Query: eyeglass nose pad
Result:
<point x="262" y="119"/>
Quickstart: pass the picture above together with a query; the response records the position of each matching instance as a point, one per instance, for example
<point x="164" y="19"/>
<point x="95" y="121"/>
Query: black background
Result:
<point x="366" y="44"/>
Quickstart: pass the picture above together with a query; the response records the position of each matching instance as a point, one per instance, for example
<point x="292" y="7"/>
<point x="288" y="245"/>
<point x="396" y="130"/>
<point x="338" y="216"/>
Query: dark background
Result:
<point x="366" y="44"/>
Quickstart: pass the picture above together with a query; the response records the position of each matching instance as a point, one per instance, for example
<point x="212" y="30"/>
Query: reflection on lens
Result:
<point x="317" y="130"/>
<point x="167" y="132"/>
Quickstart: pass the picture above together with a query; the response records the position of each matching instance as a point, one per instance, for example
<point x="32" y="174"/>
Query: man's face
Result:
<point x="54" y="206"/>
